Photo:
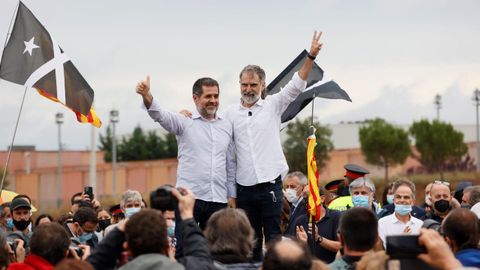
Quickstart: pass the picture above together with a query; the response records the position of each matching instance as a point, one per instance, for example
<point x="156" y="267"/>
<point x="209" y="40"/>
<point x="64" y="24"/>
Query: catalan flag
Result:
<point x="314" y="200"/>
<point x="33" y="58"/>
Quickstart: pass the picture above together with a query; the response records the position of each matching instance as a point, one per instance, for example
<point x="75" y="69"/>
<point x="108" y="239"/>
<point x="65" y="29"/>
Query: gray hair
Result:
<point x="130" y="195"/>
<point x="404" y="182"/>
<point x="474" y="195"/>
<point x="362" y="182"/>
<point x="254" y="69"/>
<point x="302" y="179"/>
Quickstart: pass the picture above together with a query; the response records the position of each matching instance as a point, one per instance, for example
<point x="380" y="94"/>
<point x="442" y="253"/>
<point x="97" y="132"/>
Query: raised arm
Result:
<point x="143" y="89"/>
<point x="315" y="48"/>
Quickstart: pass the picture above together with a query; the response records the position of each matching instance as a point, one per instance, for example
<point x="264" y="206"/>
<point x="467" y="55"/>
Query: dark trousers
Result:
<point x="201" y="213"/>
<point x="263" y="205"/>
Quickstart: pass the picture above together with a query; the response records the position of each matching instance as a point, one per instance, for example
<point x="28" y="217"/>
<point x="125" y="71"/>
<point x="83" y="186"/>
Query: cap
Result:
<point x="115" y="210"/>
<point x="462" y="185"/>
<point x="20" y="202"/>
<point x="354" y="171"/>
<point x="333" y="185"/>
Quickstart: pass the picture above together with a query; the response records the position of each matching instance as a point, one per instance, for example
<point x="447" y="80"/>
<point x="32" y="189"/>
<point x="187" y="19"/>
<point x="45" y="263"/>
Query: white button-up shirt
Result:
<point x="256" y="132"/>
<point x="390" y="225"/>
<point x="205" y="153"/>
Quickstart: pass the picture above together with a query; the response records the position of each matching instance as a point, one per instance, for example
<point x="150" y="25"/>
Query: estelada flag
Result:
<point x="317" y="86"/>
<point x="32" y="58"/>
<point x="314" y="199"/>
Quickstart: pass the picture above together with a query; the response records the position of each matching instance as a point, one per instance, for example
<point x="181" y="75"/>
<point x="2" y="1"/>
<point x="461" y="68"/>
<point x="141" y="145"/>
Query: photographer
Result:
<point x="49" y="245"/>
<point x="144" y="235"/>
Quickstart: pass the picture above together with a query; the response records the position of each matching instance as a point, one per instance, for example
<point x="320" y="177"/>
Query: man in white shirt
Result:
<point x="401" y="221"/>
<point x="205" y="147"/>
<point x="261" y="164"/>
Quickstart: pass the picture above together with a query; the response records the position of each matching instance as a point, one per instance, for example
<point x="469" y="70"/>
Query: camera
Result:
<point x="78" y="250"/>
<point x="12" y="244"/>
<point x="403" y="246"/>
<point x="162" y="198"/>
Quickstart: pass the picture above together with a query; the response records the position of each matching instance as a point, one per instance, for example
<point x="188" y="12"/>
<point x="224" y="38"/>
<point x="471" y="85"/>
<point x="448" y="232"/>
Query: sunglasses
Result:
<point x="441" y="182"/>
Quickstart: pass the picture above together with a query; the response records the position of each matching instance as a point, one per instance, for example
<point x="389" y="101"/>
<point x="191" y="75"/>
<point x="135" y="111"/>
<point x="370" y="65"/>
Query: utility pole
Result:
<point x="114" y="115"/>
<point x="438" y="105"/>
<point x="59" y="121"/>
<point x="476" y="102"/>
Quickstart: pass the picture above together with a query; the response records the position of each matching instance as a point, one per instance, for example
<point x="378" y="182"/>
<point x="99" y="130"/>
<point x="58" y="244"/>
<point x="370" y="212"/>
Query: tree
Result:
<point x="383" y="144"/>
<point x="438" y="144"/>
<point x="139" y="146"/>
<point x="295" y="147"/>
<point x="106" y="145"/>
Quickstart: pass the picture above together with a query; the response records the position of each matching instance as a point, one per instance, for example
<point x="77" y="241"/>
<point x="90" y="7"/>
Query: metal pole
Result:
<point x="114" y="115"/>
<point x="476" y="99"/>
<point x="59" y="120"/>
<point x="438" y="105"/>
<point x="93" y="160"/>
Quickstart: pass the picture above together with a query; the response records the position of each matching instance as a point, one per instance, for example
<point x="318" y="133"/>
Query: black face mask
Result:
<point x="102" y="224"/>
<point x="441" y="206"/>
<point x="21" y="224"/>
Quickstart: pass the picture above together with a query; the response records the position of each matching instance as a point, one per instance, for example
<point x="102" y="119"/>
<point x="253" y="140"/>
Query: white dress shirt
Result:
<point x="256" y="132"/>
<point x="390" y="225"/>
<point x="205" y="153"/>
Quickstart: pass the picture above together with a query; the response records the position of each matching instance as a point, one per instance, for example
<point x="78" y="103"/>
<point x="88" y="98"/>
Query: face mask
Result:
<point x="402" y="209"/>
<point x="102" y="224"/>
<point x="360" y="201"/>
<point x="428" y="200"/>
<point x="291" y="195"/>
<point x="10" y="223"/>
<point x="85" y="237"/>
<point x="21" y="224"/>
<point x="171" y="231"/>
<point x="441" y="206"/>
<point x="131" y="211"/>
<point x="390" y="198"/>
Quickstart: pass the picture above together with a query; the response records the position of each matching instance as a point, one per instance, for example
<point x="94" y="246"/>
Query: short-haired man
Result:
<point x="326" y="237"/>
<point x="82" y="227"/>
<point x="358" y="234"/>
<point x="48" y="246"/>
<point x="461" y="231"/>
<point x="286" y="255"/>
<point x="441" y="199"/>
<point x="471" y="196"/>
<point x="294" y="184"/>
<point x="205" y="148"/>
<point x="362" y="191"/>
<point x="401" y="221"/>
<point x="261" y="164"/>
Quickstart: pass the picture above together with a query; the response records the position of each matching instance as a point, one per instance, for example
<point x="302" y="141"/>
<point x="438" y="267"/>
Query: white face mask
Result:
<point x="428" y="200"/>
<point x="291" y="195"/>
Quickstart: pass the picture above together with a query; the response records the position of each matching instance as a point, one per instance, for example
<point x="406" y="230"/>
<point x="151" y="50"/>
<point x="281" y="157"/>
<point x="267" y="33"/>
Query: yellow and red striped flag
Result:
<point x="314" y="200"/>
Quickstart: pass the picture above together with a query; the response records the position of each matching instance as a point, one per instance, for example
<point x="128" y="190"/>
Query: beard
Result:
<point x="211" y="110"/>
<point x="250" y="97"/>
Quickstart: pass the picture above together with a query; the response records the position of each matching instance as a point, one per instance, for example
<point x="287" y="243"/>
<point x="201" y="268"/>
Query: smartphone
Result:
<point x="88" y="190"/>
<point x="403" y="246"/>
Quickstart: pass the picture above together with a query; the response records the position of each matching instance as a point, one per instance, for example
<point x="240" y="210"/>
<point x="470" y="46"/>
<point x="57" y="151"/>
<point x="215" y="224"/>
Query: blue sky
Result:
<point x="392" y="57"/>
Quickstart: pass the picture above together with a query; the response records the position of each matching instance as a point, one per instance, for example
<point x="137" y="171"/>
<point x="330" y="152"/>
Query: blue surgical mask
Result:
<point x="10" y="223"/>
<point x="171" y="230"/>
<point x="360" y="201"/>
<point x="85" y="237"/>
<point x="131" y="211"/>
<point x="390" y="198"/>
<point x="403" y="209"/>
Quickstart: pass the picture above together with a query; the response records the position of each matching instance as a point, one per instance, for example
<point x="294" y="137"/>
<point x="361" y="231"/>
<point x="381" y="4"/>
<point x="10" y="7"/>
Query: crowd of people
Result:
<point x="235" y="206"/>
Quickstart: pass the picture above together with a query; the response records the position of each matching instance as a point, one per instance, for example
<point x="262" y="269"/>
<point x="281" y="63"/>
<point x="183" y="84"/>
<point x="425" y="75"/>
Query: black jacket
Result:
<point x="300" y="210"/>
<point x="196" y="253"/>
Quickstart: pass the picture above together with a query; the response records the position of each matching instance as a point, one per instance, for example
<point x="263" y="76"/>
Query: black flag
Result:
<point x="33" y="58"/>
<point x="316" y="87"/>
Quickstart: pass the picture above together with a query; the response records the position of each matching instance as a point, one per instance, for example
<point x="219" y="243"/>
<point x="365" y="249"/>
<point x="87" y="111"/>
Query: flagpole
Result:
<point x="10" y="25"/>
<point x="13" y="140"/>
<point x="312" y="218"/>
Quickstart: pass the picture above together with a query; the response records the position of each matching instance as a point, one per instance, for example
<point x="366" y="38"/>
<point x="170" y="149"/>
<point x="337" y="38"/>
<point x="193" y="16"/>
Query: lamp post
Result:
<point x="59" y="121"/>
<point x="476" y="100"/>
<point x="438" y="105"/>
<point x="114" y="119"/>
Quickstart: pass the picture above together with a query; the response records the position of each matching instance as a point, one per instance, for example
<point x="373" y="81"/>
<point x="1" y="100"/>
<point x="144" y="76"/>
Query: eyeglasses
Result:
<point x="441" y="182"/>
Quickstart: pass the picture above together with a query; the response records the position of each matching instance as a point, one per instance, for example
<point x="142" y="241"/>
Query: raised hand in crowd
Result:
<point x="85" y="252"/>
<point x="143" y="89"/>
<point x="186" y="201"/>
<point x="438" y="253"/>
<point x="301" y="234"/>
<point x="17" y="255"/>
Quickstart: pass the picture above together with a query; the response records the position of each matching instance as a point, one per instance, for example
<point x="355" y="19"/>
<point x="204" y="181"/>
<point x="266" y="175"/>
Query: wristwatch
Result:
<point x="319" y="239"/>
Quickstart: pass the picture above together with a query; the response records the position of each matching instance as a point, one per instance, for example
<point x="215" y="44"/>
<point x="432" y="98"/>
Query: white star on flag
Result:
<point x="29" y="46"/>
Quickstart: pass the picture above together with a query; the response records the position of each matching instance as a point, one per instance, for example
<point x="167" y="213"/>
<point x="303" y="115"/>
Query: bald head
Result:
<point x="440" y="191"/>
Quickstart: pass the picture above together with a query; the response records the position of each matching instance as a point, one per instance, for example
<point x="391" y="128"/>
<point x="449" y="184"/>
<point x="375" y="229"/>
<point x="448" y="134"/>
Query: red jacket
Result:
<point x="32" y="262"/>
